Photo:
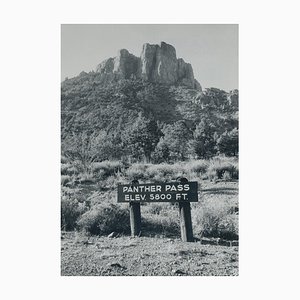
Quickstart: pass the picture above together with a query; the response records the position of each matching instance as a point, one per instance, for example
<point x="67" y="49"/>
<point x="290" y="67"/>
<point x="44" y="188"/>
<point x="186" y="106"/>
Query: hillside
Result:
<point x="89" y="106"/>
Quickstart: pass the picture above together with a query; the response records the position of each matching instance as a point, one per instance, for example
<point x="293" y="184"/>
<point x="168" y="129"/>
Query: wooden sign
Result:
<point x="163" y="192"/>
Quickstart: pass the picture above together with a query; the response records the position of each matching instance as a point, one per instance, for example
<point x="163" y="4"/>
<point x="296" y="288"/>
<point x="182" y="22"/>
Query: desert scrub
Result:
<point x="71" y="209"/>
<point x="197" y="166"/>
<point x="167" y="225"/>
<point x="164" y="172"/>
<point x="112" y="182"/>
<point x="107" y="168"/>
<point x="214" y="218"/>
<point x="137" y="171"/>
<point x="63" y="159"/>
<point x="105" y="218"/>
<point x="156" y="208"/>
<point x="98" y="197"/>
<point x="86" y="178"/>
<point x="226" y="176"/>
<point x="219" y="165"/>
<point x="68" y="169"/>
<point x="65" y="179"/>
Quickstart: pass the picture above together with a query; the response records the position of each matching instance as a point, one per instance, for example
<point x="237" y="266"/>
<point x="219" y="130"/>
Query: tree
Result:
<point x="162" y="152"/>
<point x="108" y="146"/>
<point x="174" y="144"/>
<point x="213" y="97"/>
<point x="141" y="138"/>
<point x="85" y="148"/>
<point x="204" y="141"/>
<point x="228" y="142"/>
<point x="80" y="147"/>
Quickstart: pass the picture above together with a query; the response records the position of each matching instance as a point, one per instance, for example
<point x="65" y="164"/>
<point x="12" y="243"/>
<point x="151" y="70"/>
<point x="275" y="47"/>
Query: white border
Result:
<point x="30" y="73"/>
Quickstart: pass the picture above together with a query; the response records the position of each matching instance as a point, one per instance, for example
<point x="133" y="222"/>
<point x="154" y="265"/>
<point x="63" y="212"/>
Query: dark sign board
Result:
<point x="162" y="192"/>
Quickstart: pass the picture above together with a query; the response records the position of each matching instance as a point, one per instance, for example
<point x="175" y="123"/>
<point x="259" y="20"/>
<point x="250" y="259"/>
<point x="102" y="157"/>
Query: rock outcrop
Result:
<point x="233" y="98"/>
<point x="157" y="63"/>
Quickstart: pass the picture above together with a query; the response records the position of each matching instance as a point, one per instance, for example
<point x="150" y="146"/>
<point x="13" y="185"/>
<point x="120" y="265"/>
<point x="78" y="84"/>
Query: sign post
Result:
<point x="135" y="215"/>
<point x="182" y="192"/>
<point x="186" y="227"/>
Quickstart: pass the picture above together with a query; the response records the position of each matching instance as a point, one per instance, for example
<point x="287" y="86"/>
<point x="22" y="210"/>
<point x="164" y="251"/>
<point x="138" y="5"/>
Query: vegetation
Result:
<point x="91" y="206"/>
<point x="138" y="121"/>
<point x="132" y="129"/>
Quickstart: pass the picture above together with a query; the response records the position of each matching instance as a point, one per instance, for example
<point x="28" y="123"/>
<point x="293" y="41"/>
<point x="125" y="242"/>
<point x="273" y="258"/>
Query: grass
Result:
<point x="213" y="215"/>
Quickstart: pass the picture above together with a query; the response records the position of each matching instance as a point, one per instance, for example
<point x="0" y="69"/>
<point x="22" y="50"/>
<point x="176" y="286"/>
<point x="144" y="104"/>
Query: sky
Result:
<point x="212" y="50"/>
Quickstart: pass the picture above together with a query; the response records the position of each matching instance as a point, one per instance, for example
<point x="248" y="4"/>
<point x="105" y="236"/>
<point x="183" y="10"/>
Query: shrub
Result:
<point x="68" y="169"/>
<point x="226" y="175"/>
<point x="220" y="165"/>
<point x="235" y="169"/>
<point x="87" y="178"/>
<point x="113" y="181"/>
<point x="63" y="159"/>
<point x="163" y="172"/>
<point x="71" y="209"/>
<point x="159" y="224"/>
<point x="229" y="227"/>
<point x="137" y="171"/>
<point x="64" y="168"/>
<point x="156" y="208"/>
<point x="107" y="168"/>
<point x="105" y="218"/>
<point x="197" y="166"/>
<point x="65" y="179"/>
<point x="214" y="219"/>
<point x="212" y="174"/>
<point x="98" y="197"/>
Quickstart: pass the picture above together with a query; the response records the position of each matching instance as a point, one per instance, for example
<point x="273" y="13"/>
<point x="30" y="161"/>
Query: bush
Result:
<point x="219" y="165"/>
<point x="64" y="168"/>
<point x="86" y="178"/>
<point x="112" y="182"/>
<point x="197" y="166"/>
<point x="63" y="159"/>
<point x="97" y="197"/>
<point x="159" y="224"/>
<point x="156" y="208"/>
<point x="71" y="209"/>
<point x="226" y="176"/>
<point x="68" y="169"/>
<point x="105" y="218"/>
<point x="65" y="179"/>
<point x="164" y="172"/>
<point x="214" y="219"/>
<point x="137" y="171"/>
<point x="107" y="168"/>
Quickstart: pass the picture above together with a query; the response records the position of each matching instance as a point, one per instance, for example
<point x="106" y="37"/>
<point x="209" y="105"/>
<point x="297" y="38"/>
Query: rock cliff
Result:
<point x="157" y="63"/>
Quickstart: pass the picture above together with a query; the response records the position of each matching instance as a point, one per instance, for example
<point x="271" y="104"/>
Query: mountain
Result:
<point x="154" y="96"/>
<point x="157" y="63"/>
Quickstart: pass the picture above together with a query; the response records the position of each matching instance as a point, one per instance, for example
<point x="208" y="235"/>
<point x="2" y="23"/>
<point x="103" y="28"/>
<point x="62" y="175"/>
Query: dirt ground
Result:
<point x="144" y="256"/>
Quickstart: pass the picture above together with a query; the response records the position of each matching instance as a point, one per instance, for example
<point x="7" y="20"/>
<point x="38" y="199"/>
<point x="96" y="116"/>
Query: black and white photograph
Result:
<point x="149" y="150"/>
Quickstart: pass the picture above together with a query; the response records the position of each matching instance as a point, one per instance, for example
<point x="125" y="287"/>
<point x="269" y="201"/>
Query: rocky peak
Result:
<point x="157" y="63"/>
<point x="233" y="98"/>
